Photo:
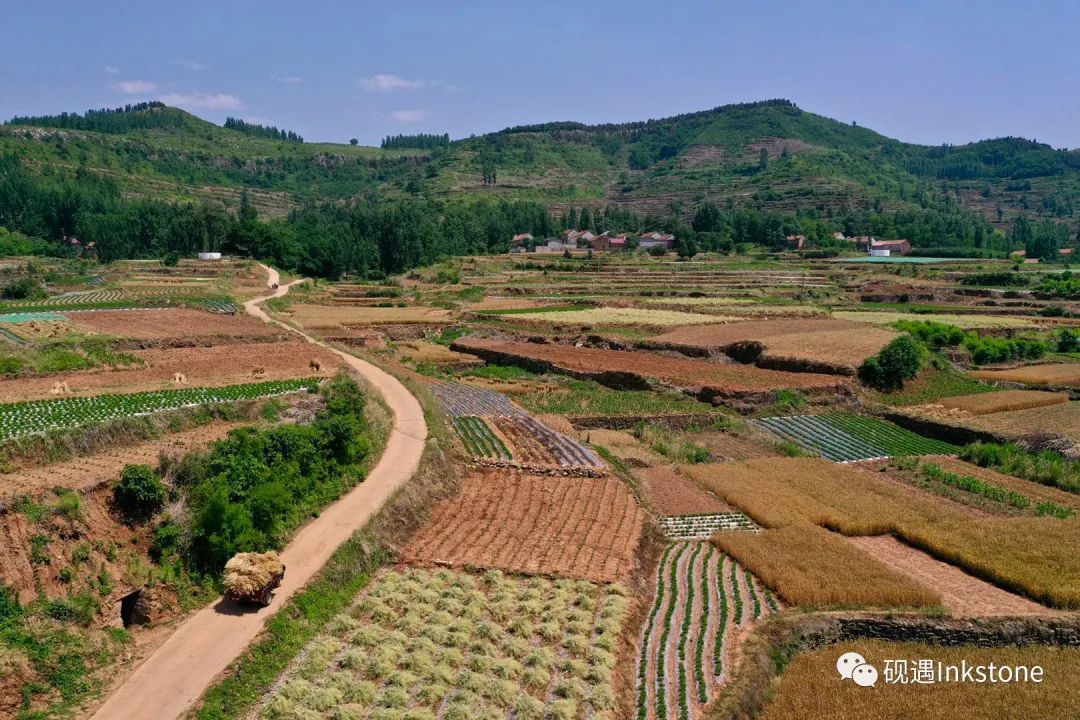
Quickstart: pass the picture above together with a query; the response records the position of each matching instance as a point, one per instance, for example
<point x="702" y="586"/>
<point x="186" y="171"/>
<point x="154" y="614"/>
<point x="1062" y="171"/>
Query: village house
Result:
<point x="521" y="238"/>
<point x="555" y="246"/>
<point x="895" y="247"/>
<point x="795" y="242"/>
<point x="608" y="241"/>
<point x="576" y="237"/>
<point x="653" y="239"/>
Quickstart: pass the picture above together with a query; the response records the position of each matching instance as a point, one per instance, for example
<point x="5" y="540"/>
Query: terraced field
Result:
<point x="703" y="604"/>
<point x="421" y="645"/>
<point x="583" y="528"/>
<point x="27" y="418"/>
<point x="845" y="437"/>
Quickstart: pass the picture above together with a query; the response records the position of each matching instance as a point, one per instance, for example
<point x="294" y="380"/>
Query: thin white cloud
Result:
<point x="289" y="80"/>
<point x="388" y="83"/>
<point x="409" y="116"/>
<point x="111" y="70"/>
<point x="203" y="101"/>
<point x="191" y="64"/>
<point x="257" y="120"/>
<point x="134" y="87"/>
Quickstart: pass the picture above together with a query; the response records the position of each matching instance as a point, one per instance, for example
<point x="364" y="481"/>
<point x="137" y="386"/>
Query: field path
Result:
<point x="174" y="677"/>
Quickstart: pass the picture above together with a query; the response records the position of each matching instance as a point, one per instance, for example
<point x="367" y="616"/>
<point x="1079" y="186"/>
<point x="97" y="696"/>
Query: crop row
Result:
<point x="844" y="437"/>
<point x="479" y="438"/>
<point x="459" y="400"/>
<point x="26" y="418"/>
<point x="425" y="645"/>
<point x="701" y="597"/>
<point x="697" y="527"/>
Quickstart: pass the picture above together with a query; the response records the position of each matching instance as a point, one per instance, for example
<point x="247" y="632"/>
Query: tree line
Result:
<point x="138" y="116"/>
<point x="263" y="131"/>
<point x="421" y="141"/>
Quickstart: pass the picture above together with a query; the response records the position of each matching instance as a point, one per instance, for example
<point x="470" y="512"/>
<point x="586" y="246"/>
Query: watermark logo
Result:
<point x="853" y="666"/>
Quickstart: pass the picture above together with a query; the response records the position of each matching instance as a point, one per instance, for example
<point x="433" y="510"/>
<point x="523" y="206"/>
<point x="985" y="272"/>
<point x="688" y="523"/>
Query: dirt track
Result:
<point x="175" y="676"/>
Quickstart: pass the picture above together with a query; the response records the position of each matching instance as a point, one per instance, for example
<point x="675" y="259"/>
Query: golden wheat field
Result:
<point x="1060" y="419"/>
<point x="1057" y="697"/>
<point x="623" y="316"/>
<point x="994" y="402"/>
<point x="314" y="316"/>
<point x="1034" y="556"/>
<point x="968" y="322"/>
<point x="810" y="566"/>
<point x="1054" y="375"/>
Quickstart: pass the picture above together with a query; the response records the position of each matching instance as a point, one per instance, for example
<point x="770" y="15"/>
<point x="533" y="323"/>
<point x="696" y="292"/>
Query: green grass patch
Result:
<point x="933" y="385"/>
<point x="584" y="397"/>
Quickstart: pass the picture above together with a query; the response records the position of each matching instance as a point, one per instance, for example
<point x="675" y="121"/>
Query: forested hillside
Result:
<point x="145" y="180"/>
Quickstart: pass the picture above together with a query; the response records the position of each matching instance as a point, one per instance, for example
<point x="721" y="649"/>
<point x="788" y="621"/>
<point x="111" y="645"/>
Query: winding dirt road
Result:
<point x="174" y="677"/>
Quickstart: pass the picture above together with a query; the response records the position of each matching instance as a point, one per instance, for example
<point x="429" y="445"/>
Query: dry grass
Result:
<point x="1061" y="419"/>
<point x="1035" y="557"/>
<point x="1036" y="491"/>
<point x="994" y="402"/>
<point x="810" y="688"/>
<point x="1063" y="375"/>
<point x="810" y="566"/>
<point x="623" y="316"/>
<point x="313" y="316"/>
<point x="968" y="322"/>
<point x="420" y="351"/>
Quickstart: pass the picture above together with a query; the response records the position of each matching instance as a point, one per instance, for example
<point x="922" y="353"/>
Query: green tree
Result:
<point x="139" y="494"/>
<point x="763" y="160"/>
<point x="900" y="360"/>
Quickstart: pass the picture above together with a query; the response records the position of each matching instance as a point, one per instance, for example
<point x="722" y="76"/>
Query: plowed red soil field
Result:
<point x="202" y="366"/>
<point x="173" y="323"/>
<point x="715" y="379"/>
<point x="583" y="528"/>
<point x="670" y="493"/>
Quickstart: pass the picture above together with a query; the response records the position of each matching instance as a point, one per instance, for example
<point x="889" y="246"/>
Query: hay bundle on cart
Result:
<point x="253" y="577"/>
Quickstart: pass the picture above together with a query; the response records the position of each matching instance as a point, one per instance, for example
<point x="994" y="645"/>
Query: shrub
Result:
<point x="900" y="360"/>
<point x="140" y="493"/>
<point x="26" y="288"/>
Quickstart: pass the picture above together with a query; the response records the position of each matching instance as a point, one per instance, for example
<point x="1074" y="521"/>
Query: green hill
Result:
<point x="786" y="167"/>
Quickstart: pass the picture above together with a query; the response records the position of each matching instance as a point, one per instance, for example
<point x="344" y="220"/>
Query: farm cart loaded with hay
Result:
<point x="251" y="578"/>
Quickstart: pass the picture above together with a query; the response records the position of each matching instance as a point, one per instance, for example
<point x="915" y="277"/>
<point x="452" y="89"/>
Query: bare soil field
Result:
<point x="324" y="316"/>
<point x="1006" y="400"/>
<point x="87" y="472"/>
<point x="670" y="493"/>
<point x="420" y="351"/>
<point x="202" y="366"/>
<point x="173" y="324"/>
<point x="961" y="594"/>
<point x="724" y="447"/>
<point x="622" y="316"/>
<point x="824" y="342"/>
<point x="584" y="528"/>
<point x="1051" y="375"/>
<point x="632" y="369"/>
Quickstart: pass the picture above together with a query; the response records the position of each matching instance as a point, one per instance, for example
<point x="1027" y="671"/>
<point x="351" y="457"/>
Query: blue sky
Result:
<point x="928" y="72"/>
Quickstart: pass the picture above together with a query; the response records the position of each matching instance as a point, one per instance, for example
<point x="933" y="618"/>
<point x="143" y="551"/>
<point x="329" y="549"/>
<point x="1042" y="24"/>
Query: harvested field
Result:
<point x="702" y="606"/>
<point x="1056" y="698"/>
<point x="179" y="324"/>
<point x="1063" y="375"/>
<point x="86" y="472"/>
<point x="670" y="493"/>
<point x="625" y="447"/>
<point x="1032" y="556"/>
<point x="327" y="316"/>
<point x="967" y="322"/>
<point x="584" y="528"/>
<point x="203" y="367"/>
<point x="420" y="351"/>
<point x="622" y="316"/>
<point x="826" y="343"/>
<point x="961" y="594"/>
<point x="632" y="370"/>
<point x="1061" y="419"/>
<point x="810" y="566"/>
<point x="418" y="644"/>
<point x="1003" y="401"/>
<point x="725" y="447"/>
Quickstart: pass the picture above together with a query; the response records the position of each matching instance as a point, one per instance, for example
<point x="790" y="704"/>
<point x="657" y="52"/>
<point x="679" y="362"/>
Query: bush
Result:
<point x="10" y="365"/>
<point x="140" y="493"/>
<point x="26" y="288"/>
<point x="166" y="540"/>
<point x="900" y="360"/>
